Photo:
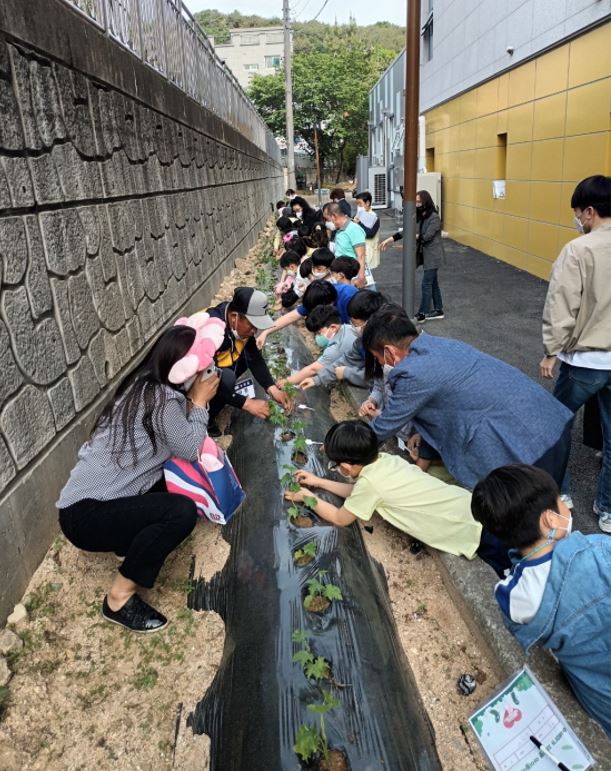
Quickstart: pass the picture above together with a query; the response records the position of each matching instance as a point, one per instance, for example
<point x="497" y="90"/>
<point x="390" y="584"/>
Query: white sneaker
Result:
<point x="604" y="520"/>
<point x="568" y="501"/>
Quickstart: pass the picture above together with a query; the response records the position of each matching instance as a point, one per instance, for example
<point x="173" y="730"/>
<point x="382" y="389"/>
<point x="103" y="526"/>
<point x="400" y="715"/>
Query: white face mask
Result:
<point x="316" y="276"/>
<point x="579" y="225"/>
<point x="299" y="214"/>
<point x="358" y="331"/>
<point x="551" y="536"/>
<point x="388" y="368"/>
<point x="360" y="210"/>
<point x="330" y="226"/>
<point x="291" y="273"/>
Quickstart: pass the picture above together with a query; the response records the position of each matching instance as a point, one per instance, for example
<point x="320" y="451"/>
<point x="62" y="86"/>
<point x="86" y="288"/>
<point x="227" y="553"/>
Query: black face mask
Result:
<point x="419" y="213"/>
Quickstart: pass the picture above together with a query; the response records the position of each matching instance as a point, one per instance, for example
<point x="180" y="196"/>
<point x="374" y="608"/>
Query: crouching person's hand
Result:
<point x="309" y="382"/>
<point x="306" y="479"/>
<point x="257" y="407"/>
<point x="368" y="409"/>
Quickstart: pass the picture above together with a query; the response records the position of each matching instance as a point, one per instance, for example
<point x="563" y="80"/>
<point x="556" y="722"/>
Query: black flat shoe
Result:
<point x="136" y="615"/>
<point x="213" y="430"/>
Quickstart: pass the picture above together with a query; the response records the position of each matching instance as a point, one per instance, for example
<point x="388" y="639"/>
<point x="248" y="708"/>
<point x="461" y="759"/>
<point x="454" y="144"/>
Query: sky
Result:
<point x="364" y="11"/>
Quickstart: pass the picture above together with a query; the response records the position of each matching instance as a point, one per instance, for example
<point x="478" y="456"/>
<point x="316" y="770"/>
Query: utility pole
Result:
<point x="288" y="95"/>
<point x="410" y="152"/>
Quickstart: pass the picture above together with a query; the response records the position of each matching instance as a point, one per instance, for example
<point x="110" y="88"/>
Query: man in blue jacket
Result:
<point x="558" y="594"/>
<point x="476" y="411"/>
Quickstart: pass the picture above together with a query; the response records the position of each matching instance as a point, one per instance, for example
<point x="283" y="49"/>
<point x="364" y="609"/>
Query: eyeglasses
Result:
<point x="332" y="465"/>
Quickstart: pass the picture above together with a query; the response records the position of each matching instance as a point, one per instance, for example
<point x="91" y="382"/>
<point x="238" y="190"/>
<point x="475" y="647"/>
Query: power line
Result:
<point x="324" y="5"/>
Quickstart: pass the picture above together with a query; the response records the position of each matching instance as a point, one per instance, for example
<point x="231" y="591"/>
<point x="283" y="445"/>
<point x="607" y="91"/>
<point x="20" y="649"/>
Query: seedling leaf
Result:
<point x="310" y="501"/>
<point x="332" y="592"/>
<point x="303" y="657"/>
<point x="329" y="703"/>
<point x="316" y="668"/>
<point x="292" y="512"/>
<point x="310" y="549"/>
<point x="306" y="742"/>
<point x="299" y="636"/>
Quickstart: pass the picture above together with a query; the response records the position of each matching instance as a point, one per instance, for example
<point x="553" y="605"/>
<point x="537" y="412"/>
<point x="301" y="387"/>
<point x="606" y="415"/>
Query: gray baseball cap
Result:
<point x="252" y="303"/>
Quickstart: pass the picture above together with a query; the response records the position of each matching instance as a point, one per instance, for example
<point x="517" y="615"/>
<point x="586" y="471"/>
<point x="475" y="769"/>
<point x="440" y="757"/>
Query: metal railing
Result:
<point x="165" y="36"/>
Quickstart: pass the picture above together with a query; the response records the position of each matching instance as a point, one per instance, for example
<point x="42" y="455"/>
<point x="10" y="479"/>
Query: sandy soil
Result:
<point x="86" y="694"/>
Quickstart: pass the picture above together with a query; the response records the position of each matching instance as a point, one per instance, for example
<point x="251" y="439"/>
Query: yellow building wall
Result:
<point x="556" y="113"/>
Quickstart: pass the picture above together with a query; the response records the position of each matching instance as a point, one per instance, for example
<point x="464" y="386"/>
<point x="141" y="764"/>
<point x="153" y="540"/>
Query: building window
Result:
<point x="273" y="61"/>
<point x="251" y="67"/>
<point x="249" y="40"/>
<point x="501" y="156"/>
<point x="272" y="38"/>
<point x="427" y="38"/>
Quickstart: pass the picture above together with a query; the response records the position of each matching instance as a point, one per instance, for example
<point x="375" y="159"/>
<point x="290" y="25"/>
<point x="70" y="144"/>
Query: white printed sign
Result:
<point x="522" y="709"/>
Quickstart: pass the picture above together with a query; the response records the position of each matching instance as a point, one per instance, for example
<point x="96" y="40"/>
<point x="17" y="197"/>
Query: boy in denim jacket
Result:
<point x="558" y="592"/>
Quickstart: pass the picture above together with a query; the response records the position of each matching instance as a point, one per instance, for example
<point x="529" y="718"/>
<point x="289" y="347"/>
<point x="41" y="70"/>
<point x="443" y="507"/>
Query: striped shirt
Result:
<point x="101" y="475"/>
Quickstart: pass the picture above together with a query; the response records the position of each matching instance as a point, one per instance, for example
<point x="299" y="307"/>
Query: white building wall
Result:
<point x="250" y="50"/>
<point x="471" y="37"/>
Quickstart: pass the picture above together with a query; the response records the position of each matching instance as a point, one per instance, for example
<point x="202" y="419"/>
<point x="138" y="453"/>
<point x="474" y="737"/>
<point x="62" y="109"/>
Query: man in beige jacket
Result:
<point x="577" y="321"/>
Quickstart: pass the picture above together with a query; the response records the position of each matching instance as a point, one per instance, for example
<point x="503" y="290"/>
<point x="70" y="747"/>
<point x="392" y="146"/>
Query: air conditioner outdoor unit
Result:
<point x="378" y="187"/>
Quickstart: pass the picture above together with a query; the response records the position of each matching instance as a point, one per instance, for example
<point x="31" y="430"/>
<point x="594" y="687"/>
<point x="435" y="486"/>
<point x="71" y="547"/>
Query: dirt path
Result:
<point x="85" y="694"/>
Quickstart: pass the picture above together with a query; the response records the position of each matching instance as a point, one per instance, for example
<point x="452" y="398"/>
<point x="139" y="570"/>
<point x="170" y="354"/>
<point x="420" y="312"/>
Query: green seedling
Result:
<point x="292" y="512"/>
<point x="311" y="741"/>
<point x="290" y="390"/>
<point x="276" y="414"/>
<point x="315" y="667"/>
<point x="310" y="501"/>
<point x="287" y="480"/>
<point x="298" y="426"/>
<point x="308" y="550"/>
<point x="317" y="589"/>
<point x="300" y="445"/>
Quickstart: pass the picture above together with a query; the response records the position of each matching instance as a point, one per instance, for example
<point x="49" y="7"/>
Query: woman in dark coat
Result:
<point x="430" y="255"/>
<point x="302" y="209"/>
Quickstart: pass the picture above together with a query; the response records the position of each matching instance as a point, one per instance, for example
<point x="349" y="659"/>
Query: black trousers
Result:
<point x="142" y="528"/>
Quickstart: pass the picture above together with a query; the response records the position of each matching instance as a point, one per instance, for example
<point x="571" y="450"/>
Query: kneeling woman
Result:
<point x="115" y="499"/>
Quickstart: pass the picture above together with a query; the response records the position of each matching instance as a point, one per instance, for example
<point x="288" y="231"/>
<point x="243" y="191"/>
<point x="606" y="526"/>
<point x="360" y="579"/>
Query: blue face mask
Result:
<point x="321" y="341"/>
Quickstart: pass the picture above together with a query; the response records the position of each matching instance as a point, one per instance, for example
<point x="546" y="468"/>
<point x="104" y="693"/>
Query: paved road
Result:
<point x="496" y="308"/>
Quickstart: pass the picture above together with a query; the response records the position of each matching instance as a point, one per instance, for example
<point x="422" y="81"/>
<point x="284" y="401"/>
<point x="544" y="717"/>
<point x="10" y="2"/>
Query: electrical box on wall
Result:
<point x="431" y="182"/>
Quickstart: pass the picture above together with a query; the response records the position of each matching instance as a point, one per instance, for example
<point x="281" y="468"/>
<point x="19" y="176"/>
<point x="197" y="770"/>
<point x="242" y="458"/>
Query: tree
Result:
<point x="330" y="96"/>
<point x="334" y="68"/>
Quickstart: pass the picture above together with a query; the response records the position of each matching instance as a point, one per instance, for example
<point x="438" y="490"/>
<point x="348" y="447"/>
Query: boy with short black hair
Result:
<point x="321" y="262"/>
<point x="558" y="593"/>
<point x="344" y="269"/>
<point x="426" y="508"/>
<point x="351" y="366"/>
<point x="332" y="336"/>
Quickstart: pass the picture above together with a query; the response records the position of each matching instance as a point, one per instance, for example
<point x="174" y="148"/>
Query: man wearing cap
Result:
<point x="244" y="316"/>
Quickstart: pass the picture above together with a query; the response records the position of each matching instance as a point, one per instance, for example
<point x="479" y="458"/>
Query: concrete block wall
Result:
<point x="123" y="203"/>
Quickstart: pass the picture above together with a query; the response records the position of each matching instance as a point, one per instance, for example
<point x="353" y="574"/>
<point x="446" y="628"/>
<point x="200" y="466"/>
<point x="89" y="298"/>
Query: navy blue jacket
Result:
<point x="478" y="412"/>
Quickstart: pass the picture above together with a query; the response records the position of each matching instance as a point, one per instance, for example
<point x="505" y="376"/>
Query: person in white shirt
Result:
<point x="577" y="323"/>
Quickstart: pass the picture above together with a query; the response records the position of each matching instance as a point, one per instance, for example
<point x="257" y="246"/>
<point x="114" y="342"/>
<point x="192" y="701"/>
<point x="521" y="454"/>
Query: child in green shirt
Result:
<point x="426" y="508"/>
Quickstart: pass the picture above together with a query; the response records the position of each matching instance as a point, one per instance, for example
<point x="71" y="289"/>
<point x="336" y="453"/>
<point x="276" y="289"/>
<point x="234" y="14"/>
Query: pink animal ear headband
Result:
<point x="209" y="334"/>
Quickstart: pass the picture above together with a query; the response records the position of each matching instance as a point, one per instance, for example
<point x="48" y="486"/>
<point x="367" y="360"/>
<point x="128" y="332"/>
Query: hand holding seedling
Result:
<point x="296" y="496"/>
<point x="307" y="479"/>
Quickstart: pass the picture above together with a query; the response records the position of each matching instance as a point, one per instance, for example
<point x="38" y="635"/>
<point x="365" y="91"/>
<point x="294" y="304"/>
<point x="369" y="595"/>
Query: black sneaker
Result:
<point x="213" y="430"/>
<point x="435" y="315"/>
<point x="420" y="318"/>
<point x="136" y="615"/>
